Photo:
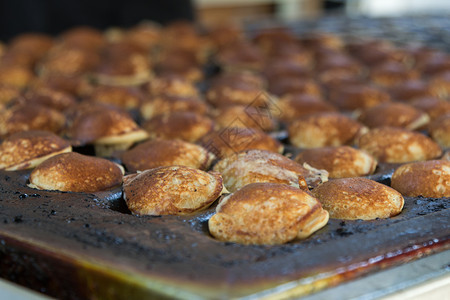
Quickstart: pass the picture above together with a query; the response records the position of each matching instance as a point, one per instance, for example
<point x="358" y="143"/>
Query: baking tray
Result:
<point x="79" y="246"/>
<point x="89" y="246"/>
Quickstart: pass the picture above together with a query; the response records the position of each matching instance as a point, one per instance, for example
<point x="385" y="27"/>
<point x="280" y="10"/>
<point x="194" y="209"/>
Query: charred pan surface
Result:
<point x="100" y="249"/>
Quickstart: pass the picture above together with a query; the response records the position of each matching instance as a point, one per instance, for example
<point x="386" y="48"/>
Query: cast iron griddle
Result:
<point x="78" y="246"/>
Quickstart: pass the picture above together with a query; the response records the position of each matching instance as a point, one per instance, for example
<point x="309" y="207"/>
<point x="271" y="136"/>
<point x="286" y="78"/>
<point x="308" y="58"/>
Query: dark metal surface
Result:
<point x="76" y="246"/>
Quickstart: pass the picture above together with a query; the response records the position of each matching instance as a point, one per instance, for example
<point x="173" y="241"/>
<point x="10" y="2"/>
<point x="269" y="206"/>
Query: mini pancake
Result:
<point x="249" y="117"/>
<point x="397" y="145"/>
<point x="171" y="86"/>
<point x="27" y="149"/>
<point x="132" y="69"/>
<point x="427" y="179"/>
<point x="241" y="93"/>
<point x="240" y="55"/>
<point x="267" y="214"/>
<point x="73" y="172"/>
<point x="16" y="76"/>
<point x="183" y="125"/>
<point x="30" y="116"/>
<point x="340" y="162"/>
<point x="33" y="45"/>
<point x="68" y="61"/>
<point x="173" y="190"/>
<point x="283" y="86"/>
<point x="358" y="198"/>
<point x="179" y="62"/>
<point x="324" y="129"/>
<point x="164" y="104"/>
<point x="230" y="140"/>
<point x="434" y="107"/>
<point x="392" y="73"/>
<point x="394" y="115"/>
<point x="159" y="153"/>
<point x="49" y="97"/>
<point x="439" y="130"/>
<point x="252" y="166"/>
<point x="109" y="130"/>
<point x="83" y="37"/>
<point x="440" y="85"/>
<point x="295" y="106"/>
<point x="410" y="90"/>
<point x="356" y="96"/>
<point x="124" y="97"/>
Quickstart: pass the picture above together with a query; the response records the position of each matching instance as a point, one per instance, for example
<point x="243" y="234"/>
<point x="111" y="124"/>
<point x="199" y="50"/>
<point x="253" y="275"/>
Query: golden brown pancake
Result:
<point x="439" y="130"/>
<point x="358" y="198"/>
<point x="397" y="145"/>
<point x="428" y="179"/>
<point x="108" y="129"/>
<point x="267" y="214"/>
<point x="183" y="125"/>
<point x="166" y="104"/>
<point x="30" y="116"/>
<point x="68" y="61"/>
<point x="340" y="162"/>
<point x="248" y="116"/>
<point x="410" y="90"/>
<point x="173" y="190"/>
<point x="171" y="86"/>
<point x="27" y="149"/>
<point x="352" y="97"/>
<point x="159" y="153"/>
<point x="15" y="76"/>
<point x="73" y="172"/>
<point x="392" y="73"/>
<point x="241" y="93"/>
<point x="324" y="129"/>
<point x="52" y="98"/>
<point x="252" y="166"/>
<point x="295" y="106"/>
<point x="440" y="85"/>
<point x="394" y="114"/>
<point x="434" y="107"/>
<point x="124" y="97"/>
<point x="230" y="140"/>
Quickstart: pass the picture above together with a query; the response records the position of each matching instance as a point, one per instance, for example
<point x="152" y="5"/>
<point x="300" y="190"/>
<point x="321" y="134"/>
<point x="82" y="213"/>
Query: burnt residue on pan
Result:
<point x="99" y="227"/>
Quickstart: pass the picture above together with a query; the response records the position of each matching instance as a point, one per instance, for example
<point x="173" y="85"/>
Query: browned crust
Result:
<point x="357" y="96"/>
<point x="439" y="130"/>
<point x="340" y="162"/>
<point x="397" y="145"/>
<point x="324" y="129"/>
<point x="231" y="140"/>
<point x="298" y="105"/>
<point x="30" y="117"/>
<point x="97" y="123"/>
<point x="158" y="153"/>
<point x="124" y="97"/>
<point x="27" y="145"/>
<point x="358" y="198"/>
<point x="395" y="115"/>
<point x="427" y="179"/>
<point x="76" y="173"/>
<point x="250" y="117"/>
<point x="171" y="190"/>
<point x="253" y="166"/>
<point x="266" y="213"/>
<point x="184" y="125"/>
<point x="165" y="104"/>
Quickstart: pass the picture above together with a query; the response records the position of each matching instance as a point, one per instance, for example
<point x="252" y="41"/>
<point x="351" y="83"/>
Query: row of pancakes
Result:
<point x="135" y="95"/>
